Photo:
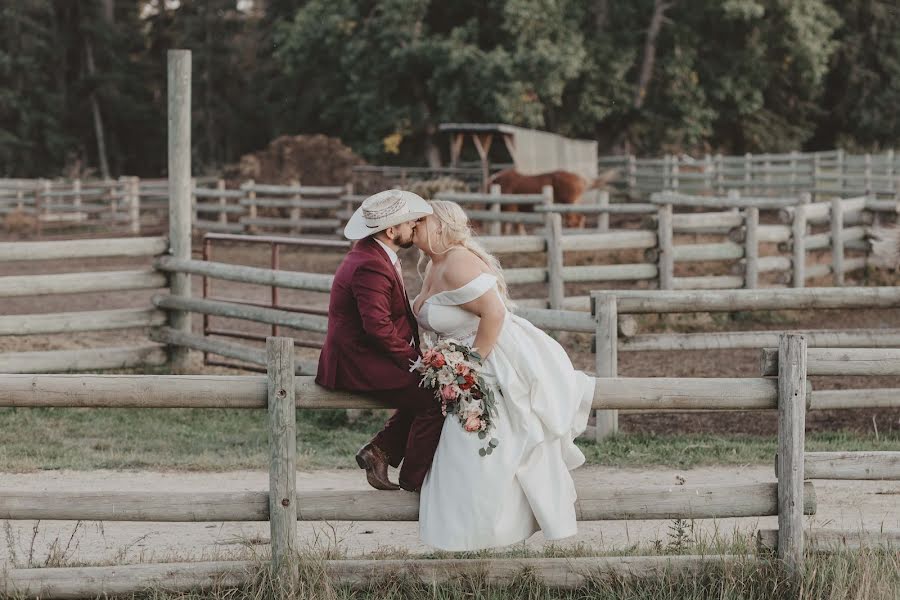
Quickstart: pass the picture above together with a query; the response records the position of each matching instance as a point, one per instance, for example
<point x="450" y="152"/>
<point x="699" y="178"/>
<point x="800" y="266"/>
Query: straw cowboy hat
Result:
<point x="385" y="209"/>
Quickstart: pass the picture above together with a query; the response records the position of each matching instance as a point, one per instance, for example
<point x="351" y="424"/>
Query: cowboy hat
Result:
<point x="385" y="209"/>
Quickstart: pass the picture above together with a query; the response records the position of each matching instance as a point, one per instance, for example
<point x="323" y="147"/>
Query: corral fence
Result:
<point x="283" y="505"/>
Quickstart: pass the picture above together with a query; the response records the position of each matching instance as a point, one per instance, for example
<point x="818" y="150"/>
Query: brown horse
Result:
<point x="568" y="188"/>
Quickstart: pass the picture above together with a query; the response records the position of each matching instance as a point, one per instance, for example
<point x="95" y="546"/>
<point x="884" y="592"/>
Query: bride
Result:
<point x="468" y="501"/>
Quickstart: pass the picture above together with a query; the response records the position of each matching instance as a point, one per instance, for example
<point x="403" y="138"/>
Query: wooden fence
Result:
<point x="110" y="282"/>
<point x="822" y="174"/>
<point x="282" y="393"/>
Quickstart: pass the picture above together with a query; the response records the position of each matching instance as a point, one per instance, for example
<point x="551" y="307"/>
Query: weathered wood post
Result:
<point x="223" y="203"/>
<point x="867" y="174"/>
<point x="632" y="175"/>
<point x="666" y="259"/>
<point x="76" y="202"/>
<point x="791" y="428"/>
<point x="179" y="84"/>
<point x="798" y="240"/>
<point x="283" y="458"/>
<point x="837" y="245"/>
<point x="748" y="173"/>
<point x="295" y="210"/>
<point x="553" y="239"/>
<point x="194" y="214"/>
<point x="605" y="356"/>
<point x="250" y="193"/>
<point x="751" y="247"/>
<point x="134" y="205"/>
<point x="720" y="175"/>
<point x="793" y="175"/>
<point x="495" y="226"/>
<point x="840" y="170"/>
<point x="603" y="217"/>
<point x="347" y="208"/>
<point x="816" y="170"/>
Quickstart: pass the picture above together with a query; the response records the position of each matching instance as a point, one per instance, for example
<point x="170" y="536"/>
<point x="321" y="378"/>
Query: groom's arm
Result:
<point x="372" y="290"/>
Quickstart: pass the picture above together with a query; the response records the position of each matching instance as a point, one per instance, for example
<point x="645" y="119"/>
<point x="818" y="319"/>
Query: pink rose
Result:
<point x="462" y="370"/>
<point x="438" y="361"/>
<point x="473" y="424"/>
<point x="448" y="393"/>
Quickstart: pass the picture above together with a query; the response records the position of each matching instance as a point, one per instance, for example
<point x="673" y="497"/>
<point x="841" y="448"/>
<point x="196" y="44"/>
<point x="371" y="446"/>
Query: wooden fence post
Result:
<point x="603" y="217"/>
<point x="789" y="467"/>
<point x="348" y="208"/>
<point x="751" y="247"/>
<point x="748" y="173"/>
<point x="837" y="245"/>
<point x="720" y="175"/>
<point x="223" y="202"/>
<point x="816" y="168"/>
<point x="666" y="259"/>
<point x="798" y="239"/>
<point x="553" y="239"/>
<point x="134" y="204"/>
<point x="632" y="176"/>
<point x="251" y="203"/>
<point x="605" y="357"/>
<point x="283" y="458"/>
<point x="76" y="202"/>
<point x="793" y="175"/>
<point x="867" y="174"/>
<point x="840" y="170"/>
<point x="495" y="226"/>
<point x="295" y="210"/>
<point x="179" y="108"/>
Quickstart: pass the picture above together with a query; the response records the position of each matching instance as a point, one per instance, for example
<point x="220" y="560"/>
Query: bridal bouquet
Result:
<point x="452" y="369"/>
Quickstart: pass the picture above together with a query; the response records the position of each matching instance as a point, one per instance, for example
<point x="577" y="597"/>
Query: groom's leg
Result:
<point x="413" y="404"/>
<point x="422" y="443"/>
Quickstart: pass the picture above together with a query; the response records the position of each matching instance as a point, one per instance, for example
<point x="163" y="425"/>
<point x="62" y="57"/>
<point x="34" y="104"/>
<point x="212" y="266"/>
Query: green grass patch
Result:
<point x="222" y="439"/>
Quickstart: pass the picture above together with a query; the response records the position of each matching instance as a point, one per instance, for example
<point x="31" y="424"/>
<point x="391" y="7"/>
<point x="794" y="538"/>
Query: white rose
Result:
<point x="445" y="377"/>
<point x="454" y="358"/>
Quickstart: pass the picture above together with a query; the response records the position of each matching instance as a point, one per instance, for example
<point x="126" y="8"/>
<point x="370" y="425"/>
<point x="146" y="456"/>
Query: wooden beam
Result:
<point x="852" y="465"/>
<point x="65" y="249"/>
<point x="83" y="359"/>
<point x="314" y="282"/>
<point x="100" y="320"/>
<point x="76" y="283"/>
<point x="835" y="540"/>
<point x="232" y="310"/>
<point x="596" y="502"/>
<point x="841" y="361"/>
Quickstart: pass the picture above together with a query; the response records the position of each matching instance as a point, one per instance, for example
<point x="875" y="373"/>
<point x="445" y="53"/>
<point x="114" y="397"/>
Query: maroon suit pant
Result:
<point x="412" y="433"/>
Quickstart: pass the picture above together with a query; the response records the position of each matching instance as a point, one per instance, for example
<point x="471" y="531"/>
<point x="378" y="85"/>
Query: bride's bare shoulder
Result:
<point x="462" y="266"/>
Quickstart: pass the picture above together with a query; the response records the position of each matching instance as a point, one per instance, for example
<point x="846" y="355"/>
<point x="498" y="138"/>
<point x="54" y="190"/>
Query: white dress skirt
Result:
<point x="470" y="502"/>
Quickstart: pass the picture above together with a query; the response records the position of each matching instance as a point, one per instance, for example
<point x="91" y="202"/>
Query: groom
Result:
<point x="373" y="337"/>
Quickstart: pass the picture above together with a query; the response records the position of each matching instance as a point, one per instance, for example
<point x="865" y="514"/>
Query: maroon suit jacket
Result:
<point x="370" y="325"/>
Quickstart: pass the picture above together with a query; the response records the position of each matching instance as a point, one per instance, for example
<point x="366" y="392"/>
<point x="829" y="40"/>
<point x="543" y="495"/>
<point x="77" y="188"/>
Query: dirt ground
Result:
<point x="842" y="505"/>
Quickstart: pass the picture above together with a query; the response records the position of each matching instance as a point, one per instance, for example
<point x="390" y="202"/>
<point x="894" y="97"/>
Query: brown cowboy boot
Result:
<point x="373" y="459"/>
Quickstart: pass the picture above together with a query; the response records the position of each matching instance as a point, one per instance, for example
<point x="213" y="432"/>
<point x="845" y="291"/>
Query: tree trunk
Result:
<point x="95" y="110"/>
<point x="656" y="21"/>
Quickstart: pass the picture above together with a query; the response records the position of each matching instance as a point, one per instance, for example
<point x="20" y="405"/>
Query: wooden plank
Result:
<point x="83" y="359"/>
<point x="852" y="465"/>
<point x="668" y="301"/>
<point x="623" y="272"/>
<point x="64" y="583"/>
<point x="65" y="249"/>
<point x="553" y="225"/>
<point x="300" y="321"/>
<point x="843" y="361"/>
<point x="821" y="338"/>
<point x="76" y="283"/>
<point x="611" y="240"/>
<point x="313" y="282"/>
<point x="708" y="252"/>
<point x="101" y="320"/>
<point x="324" y="223"/>
<point x="282" y="458"/>
<point x="836" y="540"/>
<point x="798" y="241"/>
<point x="202" y="343"/>
<point x="858" y="398"/>
<point x="789" y="466"/>
<point x="509" y="244"/>
<point x="596" y="502"/>
<point x="248" y="391"/>
<point x="525" y="275"/>
<point x="466" y="198"/>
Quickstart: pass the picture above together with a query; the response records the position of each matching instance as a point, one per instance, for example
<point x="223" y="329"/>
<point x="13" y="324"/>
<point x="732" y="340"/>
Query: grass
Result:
<point x="223" y="439"/>
<point x="838" y="575"/>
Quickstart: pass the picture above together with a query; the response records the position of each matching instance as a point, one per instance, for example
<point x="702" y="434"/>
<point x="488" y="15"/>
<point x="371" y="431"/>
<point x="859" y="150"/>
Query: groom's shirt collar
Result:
<point x="390" y="252"/>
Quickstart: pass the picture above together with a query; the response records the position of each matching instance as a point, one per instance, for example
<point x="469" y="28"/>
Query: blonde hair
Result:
<point x="455" y="231"/>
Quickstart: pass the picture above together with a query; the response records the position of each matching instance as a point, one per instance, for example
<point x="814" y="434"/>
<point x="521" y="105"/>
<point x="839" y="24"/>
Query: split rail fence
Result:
<point x="282" y="394"/>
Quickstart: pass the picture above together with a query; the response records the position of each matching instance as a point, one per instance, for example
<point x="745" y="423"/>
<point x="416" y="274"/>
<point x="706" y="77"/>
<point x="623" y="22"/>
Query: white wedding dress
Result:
<point x="470" y="502"/>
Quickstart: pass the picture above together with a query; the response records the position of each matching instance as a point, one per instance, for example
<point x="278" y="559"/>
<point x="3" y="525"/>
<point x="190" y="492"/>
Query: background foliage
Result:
<point x="647" y="76"/>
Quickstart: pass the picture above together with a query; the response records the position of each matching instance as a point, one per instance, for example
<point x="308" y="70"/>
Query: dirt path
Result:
<point x="842" y="505"/>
